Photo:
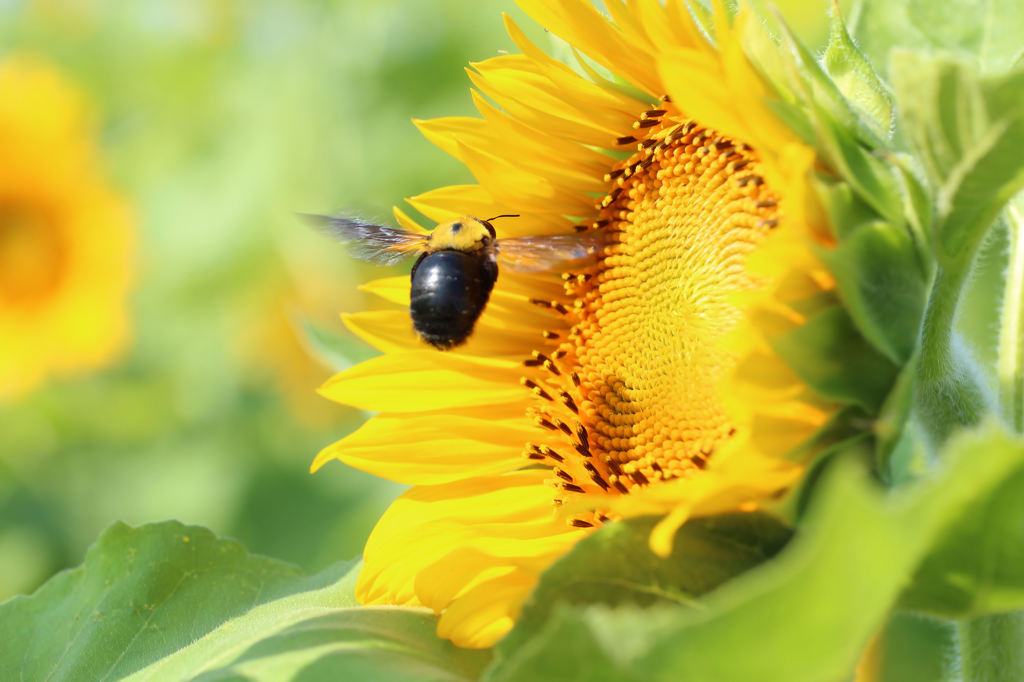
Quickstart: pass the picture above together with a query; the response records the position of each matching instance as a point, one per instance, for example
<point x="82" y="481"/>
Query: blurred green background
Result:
<point x="219" y="120"/>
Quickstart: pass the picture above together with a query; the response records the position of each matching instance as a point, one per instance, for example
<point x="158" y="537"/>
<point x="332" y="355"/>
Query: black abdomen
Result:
<point x="449" y="291"/>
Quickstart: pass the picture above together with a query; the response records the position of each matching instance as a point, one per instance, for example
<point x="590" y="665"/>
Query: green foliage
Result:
<point x="978" y="567"/>
<point x="172" y="602"/>
<point x="616" y="567"/>
<point x="835" y="360"/>
<point x="966" y="132"/>
<point x="911" y="648"/>
<point x="823" y="595"/>
<point x="989" y="32"/>
<point x="880" y="279"/>
<point x="855" y="77"/>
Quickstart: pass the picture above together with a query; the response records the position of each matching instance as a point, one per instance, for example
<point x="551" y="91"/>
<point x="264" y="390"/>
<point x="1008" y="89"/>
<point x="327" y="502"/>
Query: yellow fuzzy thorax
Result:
<point x="461" y="234"/>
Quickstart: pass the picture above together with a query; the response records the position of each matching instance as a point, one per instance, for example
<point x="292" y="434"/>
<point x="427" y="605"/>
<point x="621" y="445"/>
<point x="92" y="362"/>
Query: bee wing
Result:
<point x="370" y="242"/>
<point x="551" y="252"/>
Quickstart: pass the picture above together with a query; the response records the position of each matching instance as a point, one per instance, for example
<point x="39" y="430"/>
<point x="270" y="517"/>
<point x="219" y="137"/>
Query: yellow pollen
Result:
<point x="641" y="401"/>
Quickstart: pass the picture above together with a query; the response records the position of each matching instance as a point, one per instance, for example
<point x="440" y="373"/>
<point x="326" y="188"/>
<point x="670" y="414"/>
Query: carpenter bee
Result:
<point x="457" y="265"/>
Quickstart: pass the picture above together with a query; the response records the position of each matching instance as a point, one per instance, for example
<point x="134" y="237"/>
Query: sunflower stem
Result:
<point x="991" y="648"/>
<point x="1011" y="327"/>
<point x="947" y="395"/>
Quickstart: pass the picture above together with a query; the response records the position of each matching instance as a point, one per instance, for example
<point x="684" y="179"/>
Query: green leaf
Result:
<point x="913" y="648"/>
<point x="855" y="77"/>
<point x="380" y="644"/>
<point x="978" y="567"/>
<point x="881" y="282"/>
<point x="967" y="131"/>
<point x="804" y="615"/>
<point x="616" y="566"/>
<point x="990" y="31"/>
<point x="169" y="601"/>
<point x="899" y="456"/>
<point x="812" y="99"/>
<point x="834" y="359"/>
<point x="868" y="174"/>
<point x="991" y="648"/>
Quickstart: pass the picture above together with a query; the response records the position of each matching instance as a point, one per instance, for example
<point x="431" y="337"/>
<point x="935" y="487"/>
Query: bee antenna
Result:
<point x="504" y="215"/>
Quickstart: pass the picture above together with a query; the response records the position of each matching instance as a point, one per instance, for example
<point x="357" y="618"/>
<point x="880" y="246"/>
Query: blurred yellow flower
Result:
<point x="65" y="238"/>
<point x="644" y="386"/>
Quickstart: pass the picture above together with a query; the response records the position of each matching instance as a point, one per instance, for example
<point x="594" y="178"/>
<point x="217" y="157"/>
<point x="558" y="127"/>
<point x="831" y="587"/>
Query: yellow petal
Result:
<point x="534" y="100"/>
<point x="479" y="618"/>
<point x="454" y="201"/>
<point x="391" y="331"/>
<point x="419" y="381"/>
<point x="432" y="448"/>
<point x="581" y="25"/>
<point x="426" y="522"/>
<point x="531" y="190"/>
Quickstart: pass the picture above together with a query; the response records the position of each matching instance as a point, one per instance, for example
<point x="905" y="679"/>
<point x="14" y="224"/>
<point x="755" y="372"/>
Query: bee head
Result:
<point x="462" y="234"/>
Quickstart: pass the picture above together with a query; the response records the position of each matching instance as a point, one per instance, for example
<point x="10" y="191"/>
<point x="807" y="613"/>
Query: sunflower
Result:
<point x="645" y="385"/>
<point x="65" y="239"/>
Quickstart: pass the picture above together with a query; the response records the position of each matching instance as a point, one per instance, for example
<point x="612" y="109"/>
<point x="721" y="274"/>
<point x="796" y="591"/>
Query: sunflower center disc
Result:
<point x="684" y="213"/>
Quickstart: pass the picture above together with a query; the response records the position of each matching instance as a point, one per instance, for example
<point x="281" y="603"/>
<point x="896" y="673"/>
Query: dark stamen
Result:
<point x="581" y="433"/>
<point x="596" y="478"/>
<point x="545" y="451"/>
